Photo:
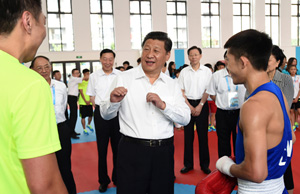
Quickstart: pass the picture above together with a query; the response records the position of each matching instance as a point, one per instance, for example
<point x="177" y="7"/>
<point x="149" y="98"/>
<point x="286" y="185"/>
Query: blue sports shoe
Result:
<point x="90" y="128"/>
<point x="85" y="132"/>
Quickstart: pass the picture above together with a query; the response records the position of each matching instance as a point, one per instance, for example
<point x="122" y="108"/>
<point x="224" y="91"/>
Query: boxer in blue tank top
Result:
<point x="265" y="138"/>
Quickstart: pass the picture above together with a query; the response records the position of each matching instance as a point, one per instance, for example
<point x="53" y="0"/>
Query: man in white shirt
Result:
<point x="98" y="87"/>
<point x="148" y="102"/>
<point x="229" y="98"/>
<point x="72" y="100"/>
<point x="41" y="65"/>
<point x="193" y="81"/>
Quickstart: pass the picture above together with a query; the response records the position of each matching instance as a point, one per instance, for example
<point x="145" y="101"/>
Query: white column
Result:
<point x="226" y="21"/>
<point x="159" y="15"/>
<point x="259" y="15"/>
<point x="194" y="23"/>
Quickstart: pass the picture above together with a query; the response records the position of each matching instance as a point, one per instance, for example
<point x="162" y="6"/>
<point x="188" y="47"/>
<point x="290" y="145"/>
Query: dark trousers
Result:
<point x="226" y="122"/>
<point x="202" y="129"/>
<point x="288" y="178"/>
<point x="145" y="170"/>
<point x="64" y="157"/>
<point x="72" y="101"/>
<point x="105" y="130"/>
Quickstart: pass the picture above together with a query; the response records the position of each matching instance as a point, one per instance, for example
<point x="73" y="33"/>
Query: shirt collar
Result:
<point x="114" y="72"/>
<point x="141" y="74"/>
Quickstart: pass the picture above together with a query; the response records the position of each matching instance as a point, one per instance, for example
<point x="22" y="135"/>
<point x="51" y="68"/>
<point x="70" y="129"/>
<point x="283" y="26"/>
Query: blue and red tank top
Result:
<point x="280" y="156"/>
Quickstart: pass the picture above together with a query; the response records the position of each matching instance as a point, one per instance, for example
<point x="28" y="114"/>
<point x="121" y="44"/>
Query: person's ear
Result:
<point x="245" y="61"/>
<point x="27" y="21"/>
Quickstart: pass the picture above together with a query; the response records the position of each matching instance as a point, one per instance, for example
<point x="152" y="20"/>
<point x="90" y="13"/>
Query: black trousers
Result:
<point x="202" y="129"/>
<point x="105" y="130"/>
<point x="72" y="101"/>
<point x="64" y="157"/>
<point x="145" y="170"/>
<point x="226" y="123"/>
<point x="288" y="178"/>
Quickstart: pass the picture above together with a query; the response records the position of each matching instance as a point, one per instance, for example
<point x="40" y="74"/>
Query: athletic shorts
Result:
<point x="212" y="106"/>
<point x="86" y="111"/>
<point x="296" y="105"/>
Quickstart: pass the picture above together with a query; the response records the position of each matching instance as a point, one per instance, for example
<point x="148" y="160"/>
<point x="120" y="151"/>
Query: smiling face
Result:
<point x="154" y="57"/>
<point x="43" y="67"/>
<point x="234" y="67"/>
<point x="272" y="64"/>
<point x="107" y="60"/>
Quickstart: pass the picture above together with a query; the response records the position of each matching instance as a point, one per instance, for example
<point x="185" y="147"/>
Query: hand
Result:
<point x="295" y="100"/>
<point x="223" y="165"/>
<point x="118" y="94"/>
<point x="156" y="101"/>
<point x="87" y="102"/>
<point x="192" y="110"/>
<point x="198" y="110"/>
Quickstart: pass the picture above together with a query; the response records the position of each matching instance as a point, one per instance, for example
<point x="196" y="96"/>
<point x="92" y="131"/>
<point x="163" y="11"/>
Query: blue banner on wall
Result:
<point x="179" y="57"/>
<point x="298" y="57"/>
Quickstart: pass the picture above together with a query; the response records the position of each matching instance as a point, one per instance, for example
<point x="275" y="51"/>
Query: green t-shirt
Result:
<point x="27" y="122"/>
<point x="83" y="86"/>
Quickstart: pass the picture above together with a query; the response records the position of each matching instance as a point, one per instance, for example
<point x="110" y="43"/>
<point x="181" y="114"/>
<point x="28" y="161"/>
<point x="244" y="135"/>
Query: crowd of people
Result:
<point x="137" y="109"/>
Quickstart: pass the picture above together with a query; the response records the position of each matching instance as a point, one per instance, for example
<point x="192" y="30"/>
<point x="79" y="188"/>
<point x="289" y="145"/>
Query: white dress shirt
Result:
<point x="139" y="118"/>
<point x="73" y="85"/>
<point x="296" y="82"/>
<point x="194" y="83"/>
<point x="219" y="87"/>
<point x="59" y="97"/>
<point x="99" y="84"/>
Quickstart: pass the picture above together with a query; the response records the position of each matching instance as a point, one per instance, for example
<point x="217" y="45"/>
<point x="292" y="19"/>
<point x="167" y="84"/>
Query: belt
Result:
<point x="149" y="142"/>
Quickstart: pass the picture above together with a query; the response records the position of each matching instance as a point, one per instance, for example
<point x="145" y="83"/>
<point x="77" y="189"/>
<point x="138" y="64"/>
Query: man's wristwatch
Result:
<point x="201" y="103"/>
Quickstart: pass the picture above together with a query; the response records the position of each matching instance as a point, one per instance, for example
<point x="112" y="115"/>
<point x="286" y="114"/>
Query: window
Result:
<point x="241" y="15"/>
<point x="295" y="21"/>
<point x="272" y="19"/>
<point x="176" y="22"/>
<point x="140" y="21"/>
<point x="102" y="24"/>
<point x="60" y="25"/>
<point x="210" y="20"/>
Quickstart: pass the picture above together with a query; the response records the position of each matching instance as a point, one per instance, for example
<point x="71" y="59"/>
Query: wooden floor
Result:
<point x="85" y="163"/>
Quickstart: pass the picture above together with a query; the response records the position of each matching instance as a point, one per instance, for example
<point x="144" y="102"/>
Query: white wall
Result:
<point x="82" y="34"/>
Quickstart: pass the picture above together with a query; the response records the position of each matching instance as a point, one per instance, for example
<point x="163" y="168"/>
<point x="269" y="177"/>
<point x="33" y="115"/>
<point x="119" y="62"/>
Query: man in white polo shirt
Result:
<point x="41" y="65"/>
<point x="229" y="98"/>
<point x="98" y="87"/>
<point x="193" y="81"/>
<point x="148" y="102"/>
<point x="72" y="100"/>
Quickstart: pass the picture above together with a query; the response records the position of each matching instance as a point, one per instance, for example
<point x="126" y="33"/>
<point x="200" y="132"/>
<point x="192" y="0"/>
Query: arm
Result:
<point x="187" y="102"/>
<point x="43" y="176"/>
<point x="198" y="108"/>
<point x="82" y="95"/>
<point x="178" y="112"/>
<point x="253" y="122"/>
<point x="92" y="98"/>
<point x="213" y="97"/>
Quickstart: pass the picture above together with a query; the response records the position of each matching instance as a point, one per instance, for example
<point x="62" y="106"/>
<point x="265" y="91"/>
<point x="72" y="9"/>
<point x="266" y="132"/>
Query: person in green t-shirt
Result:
<point x="85" y="104"/>
<point x="28" y="131"/>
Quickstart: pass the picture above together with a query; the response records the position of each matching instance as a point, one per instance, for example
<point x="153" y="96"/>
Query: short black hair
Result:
<point x="162" y="36"/>
<point x="194" y="47"/>
<point x="278" y="54"/>
<point x="254" y="45"/>
<point x="138" y="60"/>
<point x="85" y="71"/>
<point x="209" y="66"/>
<point x="126" y="62"/>
<point x="33" y="61"/>
<point x="107" y="51"/>
<point x="75" y="69"/>
<point x="12" y="10"/>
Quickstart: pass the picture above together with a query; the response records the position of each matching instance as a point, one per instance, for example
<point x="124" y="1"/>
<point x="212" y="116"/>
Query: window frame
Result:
<point x="176" y="14"/>
<point x="59" y="13"/>
<point x="101" y="13"/>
